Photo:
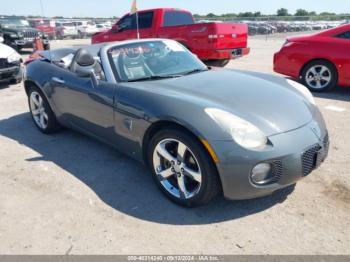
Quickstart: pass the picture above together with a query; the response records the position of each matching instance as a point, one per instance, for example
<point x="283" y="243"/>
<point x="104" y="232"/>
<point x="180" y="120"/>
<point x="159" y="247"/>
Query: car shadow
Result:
<point x="4" y="85"/>
<point x="339" y="93"/>
<point x="120" y="182"/>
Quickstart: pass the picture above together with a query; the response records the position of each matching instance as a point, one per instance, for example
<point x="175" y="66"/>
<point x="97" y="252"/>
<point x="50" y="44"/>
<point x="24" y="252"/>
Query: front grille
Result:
<point x="277" y="171"/>
<point x="5" y="64"/>
<point x="30" y="34"/>
<point x="309" y="159"/>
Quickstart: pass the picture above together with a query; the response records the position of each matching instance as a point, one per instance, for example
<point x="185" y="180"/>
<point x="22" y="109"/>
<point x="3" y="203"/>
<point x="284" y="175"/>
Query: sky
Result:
<point x="109" y="8"/>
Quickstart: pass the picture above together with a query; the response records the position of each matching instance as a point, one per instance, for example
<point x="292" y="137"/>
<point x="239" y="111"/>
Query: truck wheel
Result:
<point x="217" y="63"/>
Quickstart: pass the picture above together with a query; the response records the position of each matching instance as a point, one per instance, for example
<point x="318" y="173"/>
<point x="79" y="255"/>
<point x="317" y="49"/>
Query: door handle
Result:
<point x="58" y="80"/>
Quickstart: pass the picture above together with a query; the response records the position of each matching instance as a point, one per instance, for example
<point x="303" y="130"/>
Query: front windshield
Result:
<point x="14" y="23"/>
<point x="152" y="59"/>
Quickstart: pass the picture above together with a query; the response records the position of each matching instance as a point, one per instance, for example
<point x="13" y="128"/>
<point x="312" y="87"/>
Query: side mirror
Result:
<point x="115" y="28"/>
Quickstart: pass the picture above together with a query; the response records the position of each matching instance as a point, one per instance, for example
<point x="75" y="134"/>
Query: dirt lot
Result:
<point x="68" y="194"/>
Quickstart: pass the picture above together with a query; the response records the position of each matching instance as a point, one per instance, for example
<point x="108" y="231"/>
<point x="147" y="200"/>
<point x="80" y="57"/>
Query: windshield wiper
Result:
<point x="156" y="77"/>
<point x="197" y="70"/>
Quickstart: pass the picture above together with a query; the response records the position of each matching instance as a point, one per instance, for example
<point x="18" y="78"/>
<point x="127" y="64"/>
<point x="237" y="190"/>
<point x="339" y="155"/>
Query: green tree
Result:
<point x="301" y="12"/>
<point x="282" y="12"/>
<point x="211" y="15"/>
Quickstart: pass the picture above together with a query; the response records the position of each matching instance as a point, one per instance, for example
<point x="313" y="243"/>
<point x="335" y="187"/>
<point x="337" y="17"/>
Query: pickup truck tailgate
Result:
<point x="228" y="36"/>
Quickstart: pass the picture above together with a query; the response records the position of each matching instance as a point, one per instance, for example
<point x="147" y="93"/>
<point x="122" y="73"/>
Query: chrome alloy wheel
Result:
<point x="318" y="76"/>
<point x="38" y="110"/>
<point x="177" y="168"/>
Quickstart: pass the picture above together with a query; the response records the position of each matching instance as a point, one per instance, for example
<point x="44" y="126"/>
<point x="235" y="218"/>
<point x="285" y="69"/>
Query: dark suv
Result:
<point x="18" y="34"/>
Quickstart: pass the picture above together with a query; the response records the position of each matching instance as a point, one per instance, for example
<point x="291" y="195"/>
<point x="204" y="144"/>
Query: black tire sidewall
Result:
<point x="327" y="64"/>
<point x="52" y="125"/>
<point x="210" y="186"/>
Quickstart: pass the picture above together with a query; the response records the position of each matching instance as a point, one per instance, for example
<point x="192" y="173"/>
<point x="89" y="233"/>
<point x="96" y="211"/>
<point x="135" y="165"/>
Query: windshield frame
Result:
<point x="116" y="73"/>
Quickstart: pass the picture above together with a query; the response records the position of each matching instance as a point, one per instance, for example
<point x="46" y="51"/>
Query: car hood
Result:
<point x="6" y="51"/>
<point x="21" y="29"/>
<point x="266" y="101"/>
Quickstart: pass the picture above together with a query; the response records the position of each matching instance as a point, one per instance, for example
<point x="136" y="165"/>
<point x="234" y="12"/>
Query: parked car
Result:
<point x="102" y="27"/>
<point x="10" y="64"/>
<point x="200" y="130"/>
<point x="321" y="60"/>
<point x="85" y="28"/>
<point x="18" y="34"/>
<point x="44" y="25"/>
<point x="214" y="43"/>
<point x="66" y="29"/>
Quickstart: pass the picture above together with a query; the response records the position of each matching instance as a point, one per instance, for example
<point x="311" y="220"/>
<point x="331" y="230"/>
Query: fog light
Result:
<point x="261" y="174"/>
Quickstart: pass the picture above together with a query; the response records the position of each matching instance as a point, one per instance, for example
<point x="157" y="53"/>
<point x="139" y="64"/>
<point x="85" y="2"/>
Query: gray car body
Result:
<point x="124" y="114"/>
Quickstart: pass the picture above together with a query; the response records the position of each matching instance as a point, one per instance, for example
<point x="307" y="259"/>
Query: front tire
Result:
<point x="320" y="76"/>
<point x="41" y="112"/>
<point x="182" y="168"/>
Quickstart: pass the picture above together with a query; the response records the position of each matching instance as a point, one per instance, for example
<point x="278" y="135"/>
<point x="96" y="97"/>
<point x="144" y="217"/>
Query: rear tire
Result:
<point x="217" y="63"/>
<point x="41" y="112"/>
<point x="320" y="76"/>
<point x="192" y="180"/>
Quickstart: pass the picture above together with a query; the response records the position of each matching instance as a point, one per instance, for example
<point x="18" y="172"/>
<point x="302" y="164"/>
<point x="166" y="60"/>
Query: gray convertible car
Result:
<point x="202" y="131"/>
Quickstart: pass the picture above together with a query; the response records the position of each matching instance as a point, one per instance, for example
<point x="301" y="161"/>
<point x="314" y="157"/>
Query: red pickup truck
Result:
<point x="214" y="43"/>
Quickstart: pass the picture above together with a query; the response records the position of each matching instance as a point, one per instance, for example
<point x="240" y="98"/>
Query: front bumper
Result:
<point x="29" y="43"/>
<point x="10" y="73"/>
<point x="296" y="153"/>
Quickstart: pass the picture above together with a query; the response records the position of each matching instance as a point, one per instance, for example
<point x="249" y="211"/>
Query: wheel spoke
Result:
<point x="45" y="116"/>
<point x="36" y="112"/>
<point x="326" y="78"/>
<point x="181" y="150"/>
<point x="166" y="174"/>
<point x="318" y="84"/>
<point x="40" y="102"/>
<point x="196" y="176"/>
<point x="164" y="153"/>
<point x="323" y="70"/>
<point x="35" y="100"/>
<point x="182" y="187"/>
<point x="313" y="71"/>
<point x="42" y="120"/>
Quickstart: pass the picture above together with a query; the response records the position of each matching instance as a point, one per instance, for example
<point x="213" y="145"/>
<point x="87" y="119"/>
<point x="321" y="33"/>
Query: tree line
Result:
<point x="282" y="12"/>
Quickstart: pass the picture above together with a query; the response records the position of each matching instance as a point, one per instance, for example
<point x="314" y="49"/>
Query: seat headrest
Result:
<point x="84" y="58"/>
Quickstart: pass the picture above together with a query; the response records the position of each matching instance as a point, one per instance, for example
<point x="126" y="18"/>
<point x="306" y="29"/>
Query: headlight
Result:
<point x="14" y="57"/>
<point x="302" y="89"/>
<point x="244" y="133"/>
<point x="20" y="34"/>
<point x="14" y="35"/>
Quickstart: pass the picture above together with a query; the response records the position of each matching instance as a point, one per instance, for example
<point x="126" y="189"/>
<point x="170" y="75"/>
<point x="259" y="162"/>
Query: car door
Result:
<point x="83" y="104"/>
<point x="343" y="51"/>
<point x="145" y="21"/>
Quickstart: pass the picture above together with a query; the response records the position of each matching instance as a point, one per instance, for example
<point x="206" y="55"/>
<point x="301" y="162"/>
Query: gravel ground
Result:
<point x="68" y="194"/>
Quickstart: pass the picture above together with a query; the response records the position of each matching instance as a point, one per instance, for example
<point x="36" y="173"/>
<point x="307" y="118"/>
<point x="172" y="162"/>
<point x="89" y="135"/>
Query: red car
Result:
<point x="321" y="61"/>
<point x="214" y="43"/>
